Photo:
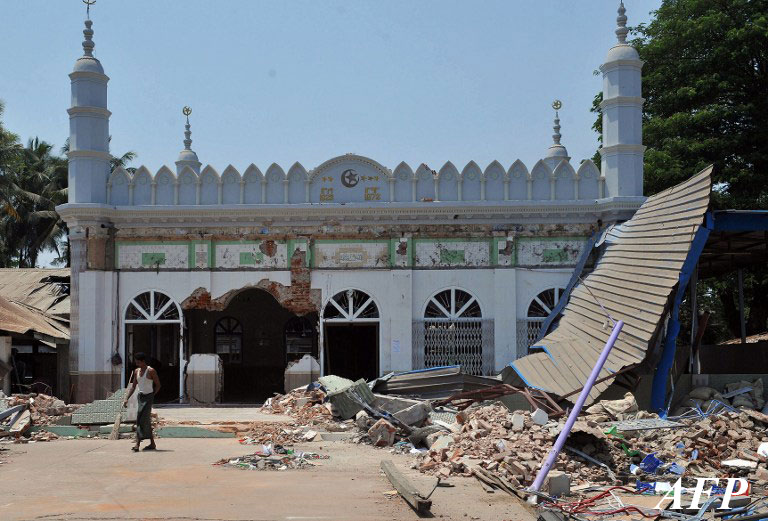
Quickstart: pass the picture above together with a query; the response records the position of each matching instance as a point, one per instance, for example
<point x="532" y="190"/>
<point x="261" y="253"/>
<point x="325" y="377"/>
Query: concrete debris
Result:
<point x="491" y="439"/>
<point x="382" y="433"/>
<point x="741" y="395"/>
<point x="615" y="409"/>
<point x="25" y="410"/>
<point x="539" y="417"/>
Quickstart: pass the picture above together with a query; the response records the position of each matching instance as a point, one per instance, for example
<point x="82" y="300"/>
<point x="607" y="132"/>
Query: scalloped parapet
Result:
<point x="355" y="179"/>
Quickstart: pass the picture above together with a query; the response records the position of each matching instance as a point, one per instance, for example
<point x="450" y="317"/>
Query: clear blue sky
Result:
<point x="287" y="81"/>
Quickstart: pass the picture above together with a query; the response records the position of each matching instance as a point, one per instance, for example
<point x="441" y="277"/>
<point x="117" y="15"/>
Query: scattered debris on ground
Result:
<point x="274" y="457"/>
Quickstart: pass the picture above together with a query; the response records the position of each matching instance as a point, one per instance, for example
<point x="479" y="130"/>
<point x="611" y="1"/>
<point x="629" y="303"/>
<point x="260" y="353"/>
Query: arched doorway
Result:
<point x="251" y="337"/>
<point x="453" y="331"/>
<point x="153" y="322"/>
<point x="351" y="335"/>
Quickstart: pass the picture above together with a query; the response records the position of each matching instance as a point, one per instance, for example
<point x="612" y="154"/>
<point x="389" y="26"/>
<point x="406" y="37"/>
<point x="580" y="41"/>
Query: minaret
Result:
<point x="187" y="157"/>
<point x="622" y="106"/>
<point x="557" y="152"/>
<point x="88" y="127"/>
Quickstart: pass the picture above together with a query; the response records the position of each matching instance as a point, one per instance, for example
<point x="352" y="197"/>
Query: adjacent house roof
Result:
<point x="633" y="281"/>
<point x="46" y="290"/>
<point x="24" y="320"/>
<point x="35" y="302"/>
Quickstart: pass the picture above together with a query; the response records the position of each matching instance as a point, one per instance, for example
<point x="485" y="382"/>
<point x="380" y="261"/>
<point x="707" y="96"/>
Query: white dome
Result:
<point x="556" y="151"/>
<point x="187" y="155"/>
<point x="88" y="64"/>
<point x="621" y="52"/>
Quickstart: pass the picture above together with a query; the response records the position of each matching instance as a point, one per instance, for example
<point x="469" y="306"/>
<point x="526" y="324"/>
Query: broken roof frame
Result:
<point x="672" y="211"/>
<point x="640" y="278"/>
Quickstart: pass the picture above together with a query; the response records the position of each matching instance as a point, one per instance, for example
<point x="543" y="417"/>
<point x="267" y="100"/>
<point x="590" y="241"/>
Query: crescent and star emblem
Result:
<point x="349" y="178"/>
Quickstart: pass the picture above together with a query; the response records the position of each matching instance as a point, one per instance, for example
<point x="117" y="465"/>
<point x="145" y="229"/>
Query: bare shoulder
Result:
<point x="151" y="371"/>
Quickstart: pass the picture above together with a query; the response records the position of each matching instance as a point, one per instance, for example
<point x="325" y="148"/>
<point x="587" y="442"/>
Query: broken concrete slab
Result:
<point x="65" y="430"/>
<point x="361" y="420"/>
<point x="442" y="442"/>
<point x="346" y="395"/>
<point x="337" y="436"/>
<point x="539" y="417"/>
<point x="415" y="414"/>
<point x="518" y="422"/>
<point x="191" y="432"/>
<point x="107" y="429"/>
<point x="558" y="484"/>
<point x="382" y="433"/>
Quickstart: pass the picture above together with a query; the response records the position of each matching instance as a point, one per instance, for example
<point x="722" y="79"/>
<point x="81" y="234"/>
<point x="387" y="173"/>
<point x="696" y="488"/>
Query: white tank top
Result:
<point x="144" y="383"/>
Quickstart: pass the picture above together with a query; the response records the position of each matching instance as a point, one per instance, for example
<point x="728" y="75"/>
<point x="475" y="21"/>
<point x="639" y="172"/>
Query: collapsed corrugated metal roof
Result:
<point x="633" y="281"/>
<point x="44" y="289"/>
<point x="24" y="320"/>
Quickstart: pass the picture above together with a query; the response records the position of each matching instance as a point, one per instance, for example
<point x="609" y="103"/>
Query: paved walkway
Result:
<point x="97" y="479"/>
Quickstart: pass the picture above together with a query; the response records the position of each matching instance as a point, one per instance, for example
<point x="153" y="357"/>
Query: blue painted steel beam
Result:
<point x="741" y="220"/>
<point x="661" y="377"/>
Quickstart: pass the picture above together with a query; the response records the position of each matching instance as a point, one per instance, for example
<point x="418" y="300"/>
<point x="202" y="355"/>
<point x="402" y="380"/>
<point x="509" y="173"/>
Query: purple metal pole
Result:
<point x="558" y="446"/>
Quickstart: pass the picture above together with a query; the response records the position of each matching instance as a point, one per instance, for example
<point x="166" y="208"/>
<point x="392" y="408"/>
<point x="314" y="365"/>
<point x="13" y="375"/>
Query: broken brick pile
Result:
<point x="514" y="446"/>
<point x="43" y="408"/>
<point x="307" y="410"/>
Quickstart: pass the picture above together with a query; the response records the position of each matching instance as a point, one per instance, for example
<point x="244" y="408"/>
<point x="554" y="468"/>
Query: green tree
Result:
<point x="705" y="82"/>
<point x="39" y="179"/>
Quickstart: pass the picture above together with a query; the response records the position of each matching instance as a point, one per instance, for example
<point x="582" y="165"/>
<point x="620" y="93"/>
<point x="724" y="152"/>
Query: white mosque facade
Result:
<point x="369" y="268"/>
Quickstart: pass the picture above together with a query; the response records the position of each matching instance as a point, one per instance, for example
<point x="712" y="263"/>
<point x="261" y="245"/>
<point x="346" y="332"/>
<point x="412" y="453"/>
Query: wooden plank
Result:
<point x="404" y="487"/>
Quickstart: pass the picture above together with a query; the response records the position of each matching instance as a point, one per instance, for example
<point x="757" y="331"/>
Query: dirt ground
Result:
<point x="99" y="479"/>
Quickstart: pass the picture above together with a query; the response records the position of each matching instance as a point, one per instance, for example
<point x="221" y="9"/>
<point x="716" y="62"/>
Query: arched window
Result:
<point x="351" y="305"/>
<point x="152" y="307"/>
<point x="229" y="339"/>
<point x="453" y="331"/>
<point x="543" y="303"/>
<point x="540" y="307"/>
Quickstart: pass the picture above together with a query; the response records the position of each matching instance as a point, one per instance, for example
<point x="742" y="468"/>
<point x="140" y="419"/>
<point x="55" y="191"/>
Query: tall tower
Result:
<point x="623" y="150"/>
<point x="88" y="127"/>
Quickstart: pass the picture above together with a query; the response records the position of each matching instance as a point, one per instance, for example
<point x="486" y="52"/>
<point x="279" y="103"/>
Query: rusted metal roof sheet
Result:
<point x="44" y="289"/>
<point x="633" y="281"/>
<point x="24" y="320"/>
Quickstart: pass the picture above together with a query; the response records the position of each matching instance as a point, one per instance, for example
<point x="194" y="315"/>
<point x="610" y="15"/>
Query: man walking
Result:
<point x="145" y="379"/>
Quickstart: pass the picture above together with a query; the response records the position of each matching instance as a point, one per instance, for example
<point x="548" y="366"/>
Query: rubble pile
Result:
<point x="740" y="395"/>
<point x="514" y="445"/>
<point x="19" y="412"/>
<point x="44" y="409"/>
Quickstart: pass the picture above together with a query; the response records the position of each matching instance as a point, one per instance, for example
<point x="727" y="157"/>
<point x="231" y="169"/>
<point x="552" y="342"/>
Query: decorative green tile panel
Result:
<point x="555" y="255"/>
<point x="152" y="259"/>
<point x="249" y="258"/>
<point x="452" y="256"/>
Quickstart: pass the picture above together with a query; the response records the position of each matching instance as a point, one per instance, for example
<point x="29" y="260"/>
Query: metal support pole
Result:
<point x="558" y="446"/>
<point x="694" y="357"/>
<point x="742" y="322"/>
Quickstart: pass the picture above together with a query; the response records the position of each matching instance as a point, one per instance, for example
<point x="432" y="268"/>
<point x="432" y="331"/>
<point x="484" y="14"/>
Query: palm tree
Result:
<point x="41" y="181"/>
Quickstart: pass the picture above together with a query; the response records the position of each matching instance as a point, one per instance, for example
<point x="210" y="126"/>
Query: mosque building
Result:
<point x="368" y="268"/>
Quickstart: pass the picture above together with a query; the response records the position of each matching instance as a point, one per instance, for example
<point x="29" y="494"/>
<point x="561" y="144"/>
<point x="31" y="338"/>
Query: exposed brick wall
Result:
<point x="299" y="297"/>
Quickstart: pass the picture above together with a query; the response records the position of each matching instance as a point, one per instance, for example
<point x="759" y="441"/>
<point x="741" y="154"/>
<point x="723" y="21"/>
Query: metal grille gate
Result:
<point x="465" y="342"/>
<point x="527" y="332"/>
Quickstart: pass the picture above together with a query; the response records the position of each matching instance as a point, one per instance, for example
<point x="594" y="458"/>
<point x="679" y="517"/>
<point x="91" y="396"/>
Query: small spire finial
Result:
<point x="557" y="105"/>
<point x="187" y="133"/>
<point x="621" y="22"/>
<point x="88" y="4"/>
